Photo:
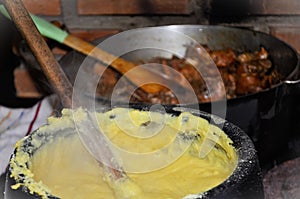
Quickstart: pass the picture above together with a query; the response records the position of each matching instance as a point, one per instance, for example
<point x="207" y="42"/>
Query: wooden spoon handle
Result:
<point x="41" y="51"/>
<point x="48" y="63"/>
<point x="138" y="78"/>
<point x="91" y="50"/>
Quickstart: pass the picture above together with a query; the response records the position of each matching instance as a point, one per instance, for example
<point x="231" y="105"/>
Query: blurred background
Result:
<point x="93" y="19"/>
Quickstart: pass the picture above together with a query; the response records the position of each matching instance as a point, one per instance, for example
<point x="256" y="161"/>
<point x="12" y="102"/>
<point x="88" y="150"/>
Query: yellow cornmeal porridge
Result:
<point x="63" y="167"/>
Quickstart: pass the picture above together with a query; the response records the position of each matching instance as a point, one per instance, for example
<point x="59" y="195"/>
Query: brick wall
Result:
<point x="280" y="18"/>
<point x="91" y="19"/>
<point x="96" y="18"/>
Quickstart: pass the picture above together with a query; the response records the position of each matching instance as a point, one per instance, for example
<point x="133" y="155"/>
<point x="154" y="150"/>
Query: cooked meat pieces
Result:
<point x="223" y="58"/>
<point x="218" y="74"/>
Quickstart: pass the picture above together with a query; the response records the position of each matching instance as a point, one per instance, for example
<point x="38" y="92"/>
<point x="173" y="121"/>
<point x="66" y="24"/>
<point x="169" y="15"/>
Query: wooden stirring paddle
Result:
<point x="141" y="75"/>
<point x="54" y="73"/>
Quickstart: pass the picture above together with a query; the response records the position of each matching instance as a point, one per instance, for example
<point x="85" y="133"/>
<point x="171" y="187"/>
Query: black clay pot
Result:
<point x="245" y="182"/>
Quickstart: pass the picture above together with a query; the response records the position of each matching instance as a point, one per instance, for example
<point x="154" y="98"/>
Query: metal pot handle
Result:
<point x="293" y="87"/>
<point x="293" y="84"/>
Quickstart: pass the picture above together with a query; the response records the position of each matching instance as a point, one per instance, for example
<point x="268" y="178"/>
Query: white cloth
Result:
<point x="15" y="123"/>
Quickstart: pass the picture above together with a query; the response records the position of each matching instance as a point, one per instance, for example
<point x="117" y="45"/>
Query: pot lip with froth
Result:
<point x="245" y="181"/>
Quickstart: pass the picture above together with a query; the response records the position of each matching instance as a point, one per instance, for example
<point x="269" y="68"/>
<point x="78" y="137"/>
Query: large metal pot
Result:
<point x="265" y="116"/>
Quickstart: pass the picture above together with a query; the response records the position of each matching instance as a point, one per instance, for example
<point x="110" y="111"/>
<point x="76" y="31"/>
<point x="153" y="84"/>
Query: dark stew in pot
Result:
<point x="242" y="73"/>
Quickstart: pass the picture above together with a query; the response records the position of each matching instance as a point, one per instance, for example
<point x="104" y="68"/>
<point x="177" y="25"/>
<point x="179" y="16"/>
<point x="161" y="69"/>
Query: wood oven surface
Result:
<point x="283" y="181"/>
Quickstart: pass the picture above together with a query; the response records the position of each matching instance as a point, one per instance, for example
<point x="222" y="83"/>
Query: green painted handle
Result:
<point x="46" y="29"/>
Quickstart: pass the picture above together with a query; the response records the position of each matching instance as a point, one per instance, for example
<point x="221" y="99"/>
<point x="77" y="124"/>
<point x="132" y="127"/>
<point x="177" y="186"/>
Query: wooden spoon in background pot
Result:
<point x="140" y="76"/>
